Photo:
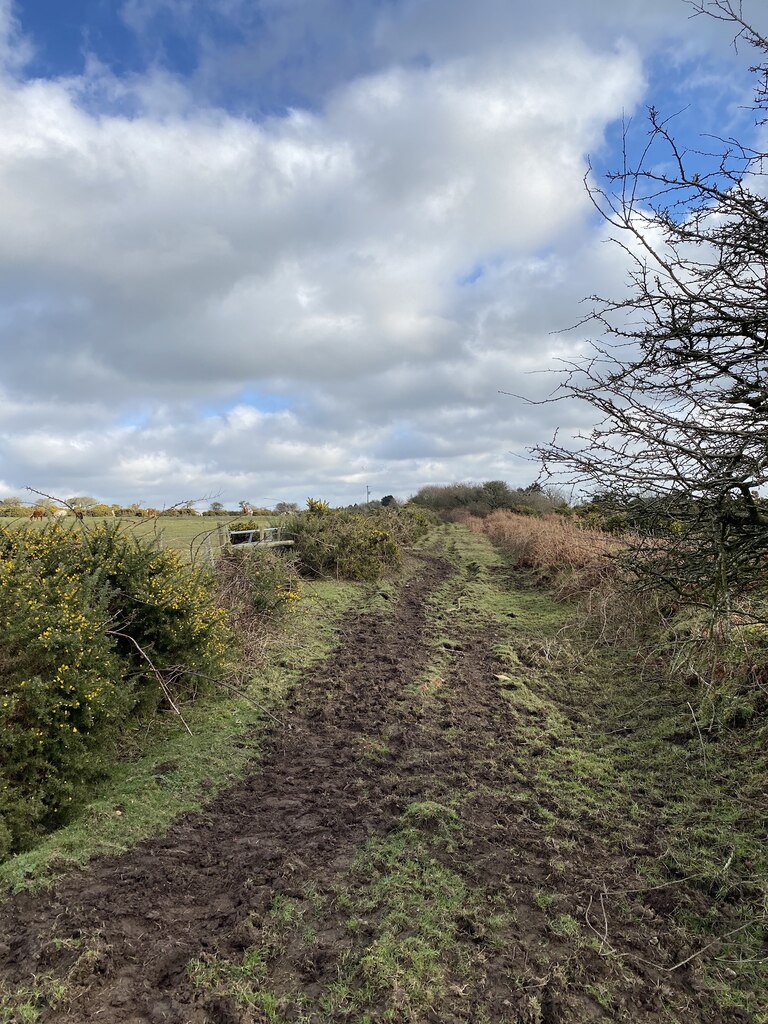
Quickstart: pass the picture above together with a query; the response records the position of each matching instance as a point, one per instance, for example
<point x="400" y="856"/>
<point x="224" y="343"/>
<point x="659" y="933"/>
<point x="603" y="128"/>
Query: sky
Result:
<point x="264" y="250"/>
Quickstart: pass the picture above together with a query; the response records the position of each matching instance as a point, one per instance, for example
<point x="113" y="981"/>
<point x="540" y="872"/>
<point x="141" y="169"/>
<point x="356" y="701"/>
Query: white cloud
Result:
<point x="385" y="264"/>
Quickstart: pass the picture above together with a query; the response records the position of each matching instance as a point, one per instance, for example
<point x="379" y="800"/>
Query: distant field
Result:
<point x="194" y="537"/>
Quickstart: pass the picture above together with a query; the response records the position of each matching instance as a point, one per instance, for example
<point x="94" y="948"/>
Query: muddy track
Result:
<point x="313" y="802"/>
<point x="361" y="745"/>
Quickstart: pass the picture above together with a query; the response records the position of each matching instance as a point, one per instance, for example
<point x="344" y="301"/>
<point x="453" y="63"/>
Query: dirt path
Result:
<point x="393" y="859"/>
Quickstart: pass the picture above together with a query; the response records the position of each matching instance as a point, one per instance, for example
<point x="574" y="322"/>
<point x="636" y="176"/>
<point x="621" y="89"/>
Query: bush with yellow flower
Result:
<point x="91" y="619"/>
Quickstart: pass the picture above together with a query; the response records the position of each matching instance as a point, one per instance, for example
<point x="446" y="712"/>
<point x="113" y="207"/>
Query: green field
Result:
<point x="194" y="537"/>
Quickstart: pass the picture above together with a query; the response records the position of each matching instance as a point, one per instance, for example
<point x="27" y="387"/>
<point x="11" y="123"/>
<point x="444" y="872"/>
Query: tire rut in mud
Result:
<point x="313" y="802"/>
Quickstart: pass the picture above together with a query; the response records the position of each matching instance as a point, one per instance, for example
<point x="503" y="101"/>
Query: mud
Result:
<point x="313" y="802"/>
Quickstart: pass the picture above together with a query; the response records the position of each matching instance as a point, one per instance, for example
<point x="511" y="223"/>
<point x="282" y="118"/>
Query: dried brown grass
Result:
<point x="577" y="562"/>
<point x="578" y="557"/>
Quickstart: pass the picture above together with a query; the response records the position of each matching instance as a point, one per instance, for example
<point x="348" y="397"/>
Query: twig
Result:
<point x="701" y="739"/>
<point x="703" y="949"/>
<point x="160" y="680"/>
<point x="604" y="937"/>
<point x="650" y="963"/>
<point x="78" y="514"/>
<point x="743" y="960"/>
<point x="652" y="888"/>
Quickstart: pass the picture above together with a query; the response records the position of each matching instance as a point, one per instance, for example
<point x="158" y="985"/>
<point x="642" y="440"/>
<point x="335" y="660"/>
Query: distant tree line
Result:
<point x="84" y="505"/>
<point x="481" y="499"/>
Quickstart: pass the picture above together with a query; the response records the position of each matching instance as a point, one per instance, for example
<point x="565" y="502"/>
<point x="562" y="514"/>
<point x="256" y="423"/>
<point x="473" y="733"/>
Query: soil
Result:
<point x="355" y="751"/>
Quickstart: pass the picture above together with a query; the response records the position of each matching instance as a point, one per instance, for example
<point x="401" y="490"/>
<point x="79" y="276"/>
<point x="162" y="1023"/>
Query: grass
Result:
<point x="551" y="542"/>
<point x="476" y="597"/>
<point x="411" y="908"/>
<point x="564" y="926"/>
<point x="162" y="771"/>
<point x="617" y="743"/>
<point x="604" y="755"/>
<point x="405" y="909"/>
<point x="170" y="773"/>
<point x="415" y="902"/>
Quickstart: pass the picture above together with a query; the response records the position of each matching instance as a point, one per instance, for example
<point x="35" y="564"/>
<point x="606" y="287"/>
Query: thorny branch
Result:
<point x="155" y="671"/>
<point x="679" y="386"/>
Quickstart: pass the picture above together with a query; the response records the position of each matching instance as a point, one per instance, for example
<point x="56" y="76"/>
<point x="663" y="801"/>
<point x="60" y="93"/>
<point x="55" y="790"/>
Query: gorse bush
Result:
<point x="62" y="691"/>
<point x="355" y="544"/>
<point x="90" y="619"/>
<point x="317" y="507"/>
<point x="343" y="543"/>
<point x="410" y="522"/>
<point x="247" y="523"/>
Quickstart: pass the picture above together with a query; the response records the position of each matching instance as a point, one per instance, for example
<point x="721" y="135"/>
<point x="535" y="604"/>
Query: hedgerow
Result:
<point x="98" y="626"/>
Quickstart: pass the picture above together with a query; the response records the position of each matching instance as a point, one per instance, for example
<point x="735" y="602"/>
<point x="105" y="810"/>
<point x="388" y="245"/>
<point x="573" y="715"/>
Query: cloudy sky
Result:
<point x="267" y="249"/>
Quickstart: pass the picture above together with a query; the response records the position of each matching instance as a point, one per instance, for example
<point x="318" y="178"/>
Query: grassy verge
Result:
<point x="626" y="839"/>
<point x="620" y="764"/>
<point x="621" y="755"/>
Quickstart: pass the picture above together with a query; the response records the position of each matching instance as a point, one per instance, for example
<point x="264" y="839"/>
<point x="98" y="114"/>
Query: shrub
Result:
<point x="344" y="543"/>
<point x="317" y="507"/>
<point x="63" y="691"/>
<point x="408" y="523"/>
<point x="90" y="618"/>
<point x="246" y="523"/>
<point x="100" y="511"/>
<point x="483" y="499"/>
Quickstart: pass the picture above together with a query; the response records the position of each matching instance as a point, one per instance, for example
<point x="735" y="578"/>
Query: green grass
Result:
<point x="479" y="594"/>
<point x="414" y="909"/>
<point x="564" y="926"/>
<point x="25" y="1005"/>
<point x="602" y="732"/>
<point x="402" y="902"/>
<point x="416" y="903"/>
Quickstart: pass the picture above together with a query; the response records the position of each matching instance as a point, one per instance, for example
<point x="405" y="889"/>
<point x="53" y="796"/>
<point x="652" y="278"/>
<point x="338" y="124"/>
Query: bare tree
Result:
<point x="680" y="381"/>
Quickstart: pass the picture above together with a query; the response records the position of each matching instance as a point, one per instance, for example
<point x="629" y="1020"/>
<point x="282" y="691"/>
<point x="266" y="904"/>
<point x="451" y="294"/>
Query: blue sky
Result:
<point x="265" y="249"/>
